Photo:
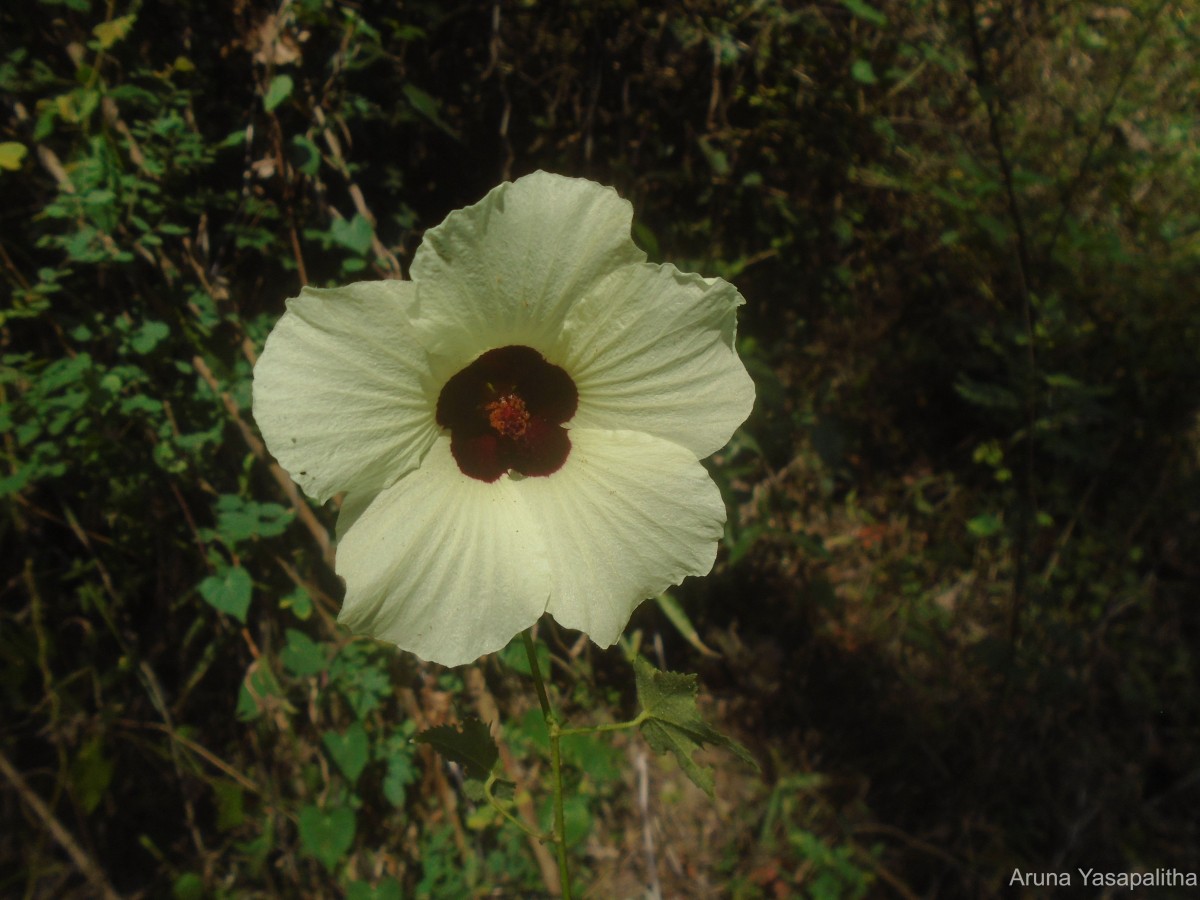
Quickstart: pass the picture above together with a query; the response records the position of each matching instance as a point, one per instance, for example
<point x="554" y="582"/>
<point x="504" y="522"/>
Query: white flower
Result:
<point x="517" y="429"/>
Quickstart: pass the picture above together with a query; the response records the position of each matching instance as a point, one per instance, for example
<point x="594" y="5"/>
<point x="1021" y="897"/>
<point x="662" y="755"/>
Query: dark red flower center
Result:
<point x="506" y="411"/>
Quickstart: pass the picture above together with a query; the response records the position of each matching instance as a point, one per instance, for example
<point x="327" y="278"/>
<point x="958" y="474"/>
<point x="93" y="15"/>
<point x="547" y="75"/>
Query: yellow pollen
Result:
<point x="508" y="415"/>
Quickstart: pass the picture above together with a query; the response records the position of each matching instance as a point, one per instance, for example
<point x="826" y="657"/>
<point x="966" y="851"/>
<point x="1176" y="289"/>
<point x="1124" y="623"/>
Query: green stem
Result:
<point x="555" y="732"/>
<point x="500" y="808"/>
<point x="611" y="726"/>
<point x="531" y="652"/>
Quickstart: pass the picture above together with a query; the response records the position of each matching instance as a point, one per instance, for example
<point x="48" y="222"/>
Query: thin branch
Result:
<point x="989" y="93"/>
<point x="84" y="863"/>
<point x="303" y="511"/>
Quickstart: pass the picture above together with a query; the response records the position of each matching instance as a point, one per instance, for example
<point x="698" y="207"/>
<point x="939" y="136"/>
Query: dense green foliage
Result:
<point x="955" y="614"/>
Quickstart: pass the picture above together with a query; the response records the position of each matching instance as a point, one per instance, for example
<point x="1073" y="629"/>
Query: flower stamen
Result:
<point x="508" y="415"/>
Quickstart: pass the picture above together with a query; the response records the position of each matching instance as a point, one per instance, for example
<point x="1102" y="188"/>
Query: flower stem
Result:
<point x="554" y="730"/>
<point x="531" y="652"/>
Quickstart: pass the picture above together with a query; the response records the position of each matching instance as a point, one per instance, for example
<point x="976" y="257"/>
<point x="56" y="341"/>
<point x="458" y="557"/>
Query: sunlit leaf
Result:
<point x="109" y="33"/>
<point x="11" y="154"/>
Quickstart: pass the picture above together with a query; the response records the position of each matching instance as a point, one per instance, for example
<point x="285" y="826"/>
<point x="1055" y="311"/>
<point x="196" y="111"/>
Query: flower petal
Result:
<point x="627" y="516"/>
<point x="506" y="270"/>
<point x="341" y="391"/>
<point x="651" y="349"/>
<point x="444" y="565"/>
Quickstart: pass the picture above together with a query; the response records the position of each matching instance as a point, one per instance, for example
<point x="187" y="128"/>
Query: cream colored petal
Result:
<point x="626" y="517"/>
<point x="443" y="565"/>
<point x="651" y="349"/>
<point x="353" y="506"/>
<point x="342" y="391"/>
<point x="507" y="269"/>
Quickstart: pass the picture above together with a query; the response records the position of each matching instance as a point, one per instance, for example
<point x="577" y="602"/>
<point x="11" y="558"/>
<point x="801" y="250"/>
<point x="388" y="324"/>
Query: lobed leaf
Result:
<point x="675" y="724"/>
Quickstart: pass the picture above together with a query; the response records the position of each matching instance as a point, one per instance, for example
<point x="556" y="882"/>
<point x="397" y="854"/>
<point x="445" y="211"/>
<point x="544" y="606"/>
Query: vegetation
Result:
<point x="954" y="616"/>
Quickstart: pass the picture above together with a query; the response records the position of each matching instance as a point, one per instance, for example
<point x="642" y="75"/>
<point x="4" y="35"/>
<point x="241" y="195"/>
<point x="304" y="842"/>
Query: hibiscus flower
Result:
<point x="517" y="429"/>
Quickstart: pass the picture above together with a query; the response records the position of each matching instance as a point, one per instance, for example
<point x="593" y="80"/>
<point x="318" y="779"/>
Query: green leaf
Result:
<point x="238" y="519"/>
<point x="386" y="889"/>
<point x="598" y="759"/>
<point x="148" y="336"/>
<point x="862" y="72"/>
<point x="228" y="592"/>
<point x="327" y="835"/>
<point x="280" y="90"/>
<point x="674" y="612"/>
<point x="675" y="725"/>
<point x="427" y="106"/>
<point x="645" y="238"/>
<point x="299" y="603"/>
<point x="516" y="658"/>
<point x="985" y="525"/>
<point x="866" y="12"/>
<point x="716" y="157"/>
<point x="361" y="677"/>
<point x="349" y="750"/>
<point x="304" y="155"/>
<point x="471" y="747"/>
<point x="256" y="851"/>
<point x="109" y="33"/>
<point x="230" y="804"/>
<point x="400" y="775"/>
<point x="10" y="484"/>
<point x="188" y="886"/>
<point x="260" y="689"/>
<point x="577" y="817"/>
<point x="11" y="154"/>
<point x="303" y="656"/>
<point x="354" y="234"/>
<point x="91" y="773"/>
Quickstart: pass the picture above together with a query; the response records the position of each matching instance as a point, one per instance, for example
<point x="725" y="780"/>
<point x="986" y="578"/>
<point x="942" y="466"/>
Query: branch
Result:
<point x="989" y="93"/>
<point x="84" y="863"/>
